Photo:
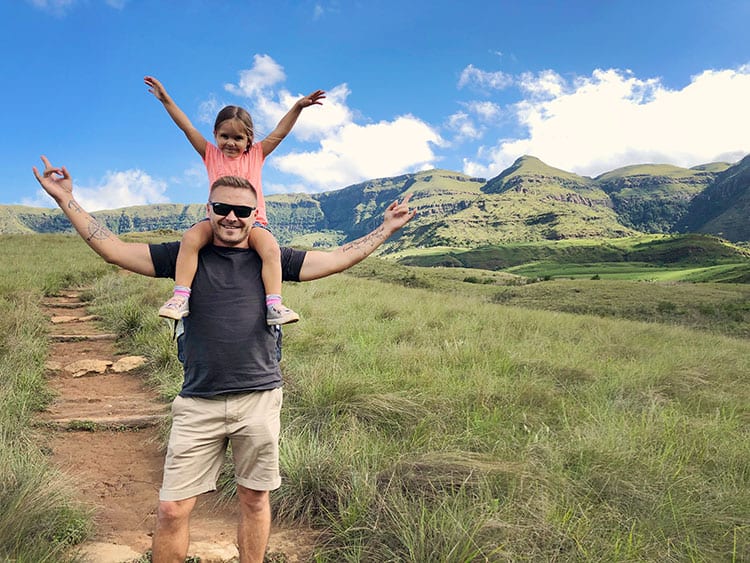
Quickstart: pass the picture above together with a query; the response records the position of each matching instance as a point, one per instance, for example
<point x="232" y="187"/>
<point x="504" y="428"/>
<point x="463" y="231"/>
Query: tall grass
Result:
<point x="39" y="520"/>
<point x="574" y="437"/>
<point x="425" y="422"/>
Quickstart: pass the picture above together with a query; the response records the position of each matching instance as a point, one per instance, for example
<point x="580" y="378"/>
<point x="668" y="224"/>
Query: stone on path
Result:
<point x="128" y="363"/>
<point x="82" y="367"/>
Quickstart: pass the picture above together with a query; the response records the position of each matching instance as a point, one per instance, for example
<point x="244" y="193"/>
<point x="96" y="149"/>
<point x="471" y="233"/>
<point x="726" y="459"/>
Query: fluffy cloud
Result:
<point x="316" y="122"/>
<point x="264" y="74"/>
<point x="612" y="118"/>
<point x="354" y="153"/>
<point x="346" y="151"/>
<point x="122" y="189"/>
<point x="472" y="76"/>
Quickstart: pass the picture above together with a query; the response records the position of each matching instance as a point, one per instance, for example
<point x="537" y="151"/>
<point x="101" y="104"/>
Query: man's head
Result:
<point x="231" y="210"/>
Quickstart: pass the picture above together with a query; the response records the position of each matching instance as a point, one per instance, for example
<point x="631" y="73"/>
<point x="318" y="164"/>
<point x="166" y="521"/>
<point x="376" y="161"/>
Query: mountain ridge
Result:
<point x="528" y="201"/>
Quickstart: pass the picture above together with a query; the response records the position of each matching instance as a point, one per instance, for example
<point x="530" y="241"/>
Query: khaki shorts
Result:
<point x="201" y="430"/>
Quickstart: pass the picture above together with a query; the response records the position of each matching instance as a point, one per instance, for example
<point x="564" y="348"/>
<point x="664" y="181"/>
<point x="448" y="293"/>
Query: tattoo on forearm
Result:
<point x="368" y="242"/>
<point x="97" y="231"/>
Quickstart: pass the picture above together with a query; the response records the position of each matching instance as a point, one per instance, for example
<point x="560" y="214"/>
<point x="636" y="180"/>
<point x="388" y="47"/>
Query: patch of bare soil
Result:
<point x="102" y="430"/>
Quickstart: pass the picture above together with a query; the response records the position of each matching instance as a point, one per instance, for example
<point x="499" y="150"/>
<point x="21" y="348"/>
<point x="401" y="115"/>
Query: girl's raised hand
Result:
<point x="316" y="98"/>
<point x="155" y="87"/>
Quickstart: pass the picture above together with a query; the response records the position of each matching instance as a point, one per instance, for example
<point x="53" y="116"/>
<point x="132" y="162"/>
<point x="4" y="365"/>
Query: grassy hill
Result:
<point x="528" y="202"/>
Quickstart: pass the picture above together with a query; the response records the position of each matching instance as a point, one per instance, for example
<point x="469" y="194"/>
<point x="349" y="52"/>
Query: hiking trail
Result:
<point x="102" y="429"/>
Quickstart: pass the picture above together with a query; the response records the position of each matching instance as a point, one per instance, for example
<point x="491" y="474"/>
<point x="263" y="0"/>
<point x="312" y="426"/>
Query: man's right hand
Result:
<point x="55" y="181"/>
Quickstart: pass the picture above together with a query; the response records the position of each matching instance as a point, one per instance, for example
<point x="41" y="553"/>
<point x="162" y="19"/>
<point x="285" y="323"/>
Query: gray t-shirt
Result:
<point x="228" y="347"/>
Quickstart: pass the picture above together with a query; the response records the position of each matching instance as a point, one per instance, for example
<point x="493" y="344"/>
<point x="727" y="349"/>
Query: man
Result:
<point x="232" y="384"/>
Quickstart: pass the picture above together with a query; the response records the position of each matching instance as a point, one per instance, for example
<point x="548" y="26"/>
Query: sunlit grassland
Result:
<point x="577" y="438"/>
<point x="434" y="425"/>
<point x="629" y="271"/>
<point x="444" y="415"/>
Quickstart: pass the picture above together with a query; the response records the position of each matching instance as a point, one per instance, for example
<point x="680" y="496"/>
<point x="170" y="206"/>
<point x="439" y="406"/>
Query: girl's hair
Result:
<point x="241" y="115"/>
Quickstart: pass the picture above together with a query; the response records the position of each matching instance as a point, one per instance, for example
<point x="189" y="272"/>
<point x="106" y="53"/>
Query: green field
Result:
<point x="457" y="414"/>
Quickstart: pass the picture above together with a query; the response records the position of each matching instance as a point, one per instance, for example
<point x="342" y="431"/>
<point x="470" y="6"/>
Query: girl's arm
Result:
<point x="287" y="122"/>
<point x="178" y="116"/>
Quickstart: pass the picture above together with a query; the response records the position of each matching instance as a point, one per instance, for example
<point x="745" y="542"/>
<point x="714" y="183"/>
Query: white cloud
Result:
<point x="208" y="109"/>
<point x="116" y="189"/>
<point x="486" y="111"/>
<point x="545" y="84"/>
<point x="472" y="76"/>
<point x="264" y="74"/>
<point x="315" y="122"/>
<point x="612" y="119"/>
<point x="355" y="153"/>
<point x="464" y="127"/>
<point x="346" y="152"/>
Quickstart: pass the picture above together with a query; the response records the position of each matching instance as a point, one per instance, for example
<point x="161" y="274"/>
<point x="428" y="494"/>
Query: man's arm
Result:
<point x="178" y="116"/>
<point x="287" y="122"/>
<point x="318" y="264"/>
<point x="135" y="257"/>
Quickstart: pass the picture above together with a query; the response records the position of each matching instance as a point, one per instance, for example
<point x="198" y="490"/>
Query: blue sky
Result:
<point x="587" y="86"/>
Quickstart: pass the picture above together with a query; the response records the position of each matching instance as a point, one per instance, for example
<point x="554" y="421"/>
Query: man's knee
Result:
<point x="173" y="511"/>
<point x="255" y="501"/>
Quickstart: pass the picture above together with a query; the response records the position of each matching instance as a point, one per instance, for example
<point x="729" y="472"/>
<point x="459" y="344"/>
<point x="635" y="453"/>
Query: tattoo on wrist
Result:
<point x="73" y="204"/>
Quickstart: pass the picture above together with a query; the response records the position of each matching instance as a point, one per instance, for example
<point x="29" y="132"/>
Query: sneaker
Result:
<point x="280" y="315"/>
<point x="176" y="308"/>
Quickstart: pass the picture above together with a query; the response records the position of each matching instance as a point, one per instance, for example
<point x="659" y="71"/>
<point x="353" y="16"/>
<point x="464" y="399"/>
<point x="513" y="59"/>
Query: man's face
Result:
<point x="230" y="230"/>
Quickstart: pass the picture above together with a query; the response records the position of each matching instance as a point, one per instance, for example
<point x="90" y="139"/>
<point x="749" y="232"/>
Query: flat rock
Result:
<point x="82" y="367"/>
<point x="128" y="363"/>
<point x="51" y="365"/>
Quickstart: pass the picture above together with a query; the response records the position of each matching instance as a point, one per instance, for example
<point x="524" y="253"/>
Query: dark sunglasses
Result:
<point x="224" y="209"/>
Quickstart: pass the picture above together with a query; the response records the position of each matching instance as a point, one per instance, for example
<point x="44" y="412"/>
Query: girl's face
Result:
<point x="231" y="138"/>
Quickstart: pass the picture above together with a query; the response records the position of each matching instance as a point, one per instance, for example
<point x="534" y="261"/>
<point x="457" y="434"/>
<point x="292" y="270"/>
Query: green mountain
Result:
<point x="528" y="202"/>
<point x="723" y="207"/>
<point x="653" y="198"/>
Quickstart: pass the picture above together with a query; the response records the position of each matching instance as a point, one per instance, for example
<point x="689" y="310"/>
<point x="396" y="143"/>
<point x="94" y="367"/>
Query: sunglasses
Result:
<point x="224" y="209"/>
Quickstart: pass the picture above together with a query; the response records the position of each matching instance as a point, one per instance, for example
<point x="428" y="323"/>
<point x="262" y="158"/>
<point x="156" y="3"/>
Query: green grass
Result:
<point x="625" y="258"/>
<point x="39" y="521"/>
<point x="467" y="415"/>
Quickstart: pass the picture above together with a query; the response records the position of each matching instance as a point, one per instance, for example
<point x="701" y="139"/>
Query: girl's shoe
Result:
<point x="280" y="315"/>
<point x="175" y="308"/>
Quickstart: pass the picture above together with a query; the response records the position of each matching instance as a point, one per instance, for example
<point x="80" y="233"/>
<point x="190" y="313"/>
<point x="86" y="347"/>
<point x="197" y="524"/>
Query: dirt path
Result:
<point x="102" y="430"/>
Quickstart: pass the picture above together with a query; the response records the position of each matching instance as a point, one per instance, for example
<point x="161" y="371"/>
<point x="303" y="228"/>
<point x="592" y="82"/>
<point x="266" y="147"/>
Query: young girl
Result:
<point x="234" y="154"/>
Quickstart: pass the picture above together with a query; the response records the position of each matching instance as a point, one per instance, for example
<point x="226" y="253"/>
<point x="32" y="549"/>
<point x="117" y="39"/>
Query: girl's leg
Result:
<point x="264" y="243"/>
<point x="195" y="238"/>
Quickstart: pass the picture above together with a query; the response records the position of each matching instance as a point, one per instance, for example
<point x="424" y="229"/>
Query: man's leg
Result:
<point x="172" y="534"/>
<point x="255" y="524"/>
